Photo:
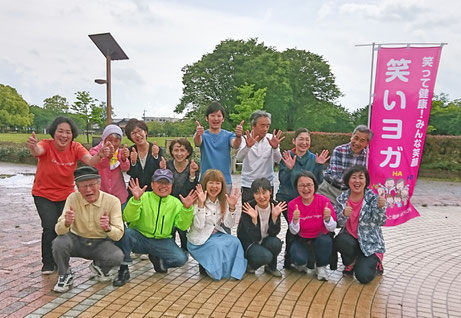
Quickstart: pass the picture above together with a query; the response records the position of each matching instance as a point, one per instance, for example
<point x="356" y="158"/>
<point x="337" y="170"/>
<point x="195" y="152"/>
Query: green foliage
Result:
<point x="182" y="128"/>
<point x="86" y="109"/>
<point x="298" y="84"/>
<point x="14" y="110"/>
<point x="445" y="116"/>
<point x="56" y="104"/>
<point x="250" y="101"/>
<point x="42" y="118"/>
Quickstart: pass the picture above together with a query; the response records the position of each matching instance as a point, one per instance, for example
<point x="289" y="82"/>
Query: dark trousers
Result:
<point x="247" y="195"/>
<point x="49" y="213"/>
<point x="265" y="253"/>
<point x="182" y="237"/>
<point x="305" y="251"/>
<point x="102" y="251"/>
<point x="349" y="248"/>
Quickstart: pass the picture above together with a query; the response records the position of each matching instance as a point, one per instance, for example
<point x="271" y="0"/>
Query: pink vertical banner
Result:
<point x="404" y="86"/>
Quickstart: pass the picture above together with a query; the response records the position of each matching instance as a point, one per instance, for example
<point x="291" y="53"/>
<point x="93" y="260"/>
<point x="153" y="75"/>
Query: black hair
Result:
<point x="260" y="183"/>
<point x="214" y="107"/>
<point x="59" y="120"/>
<point x="305" y="173"/>
<point x="183" y="142"/>
<point x="349" y="172"/>
<point x="132" y="124"/>
<point x="300" y="131"/>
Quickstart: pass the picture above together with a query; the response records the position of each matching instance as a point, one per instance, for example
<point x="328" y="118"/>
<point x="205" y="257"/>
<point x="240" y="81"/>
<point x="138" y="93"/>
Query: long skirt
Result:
<point x="221" y="256"/>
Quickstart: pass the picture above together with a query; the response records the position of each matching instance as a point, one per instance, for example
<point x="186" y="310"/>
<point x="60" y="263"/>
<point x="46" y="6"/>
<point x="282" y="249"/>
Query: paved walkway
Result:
<point x="422" y="275"/>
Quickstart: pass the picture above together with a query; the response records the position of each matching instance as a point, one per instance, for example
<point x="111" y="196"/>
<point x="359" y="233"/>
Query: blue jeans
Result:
<point x="265" y="253"/>
<point x="304" y="250"/>
<point x="166" y="249"/>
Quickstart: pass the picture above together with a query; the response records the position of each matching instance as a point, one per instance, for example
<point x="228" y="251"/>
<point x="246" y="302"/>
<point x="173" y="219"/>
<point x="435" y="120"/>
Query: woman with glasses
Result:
<point x="311" y="217"/>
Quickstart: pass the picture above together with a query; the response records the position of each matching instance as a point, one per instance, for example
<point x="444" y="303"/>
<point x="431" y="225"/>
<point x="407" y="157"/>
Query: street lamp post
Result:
<point x="112" y="51"/>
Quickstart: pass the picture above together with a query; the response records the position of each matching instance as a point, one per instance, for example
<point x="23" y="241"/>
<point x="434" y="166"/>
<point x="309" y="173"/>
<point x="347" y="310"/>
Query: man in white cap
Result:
<point x="91" y="221"/>
<point x="151" y="216"/>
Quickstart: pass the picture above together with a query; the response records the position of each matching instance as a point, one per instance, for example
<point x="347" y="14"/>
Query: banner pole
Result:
<point x="370" y="96"/>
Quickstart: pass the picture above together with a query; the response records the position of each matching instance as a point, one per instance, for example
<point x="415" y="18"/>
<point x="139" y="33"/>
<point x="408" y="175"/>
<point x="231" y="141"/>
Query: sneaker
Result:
<point x="98" y="273"/>
<point x="348" y="270"/>
<point x="64" y="283"/>
<point x="144" y="257"/>
<point x="311" y="271"/>
<point x="274" y="272"/>
<point x="299" y="268"/>
<point x="250" y="270"/>
<point x="322" y="273"/>
<point x="48" y="269"/>
<point x="122" y="278"/>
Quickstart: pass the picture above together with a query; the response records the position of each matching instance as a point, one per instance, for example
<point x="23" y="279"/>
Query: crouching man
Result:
<point x="91" y="221"/>
<point x="151" y="217"/>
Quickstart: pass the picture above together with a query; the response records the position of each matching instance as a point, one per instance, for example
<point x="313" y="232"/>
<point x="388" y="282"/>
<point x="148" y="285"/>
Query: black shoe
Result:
<point x="202" y="270"/>
<point x="123" y="277"/>
<point x="159" y="264"/>
<point x="48" y="269"/>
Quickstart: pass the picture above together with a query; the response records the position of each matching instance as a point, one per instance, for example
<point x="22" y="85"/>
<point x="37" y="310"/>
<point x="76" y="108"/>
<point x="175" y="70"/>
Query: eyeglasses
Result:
<point x="305" y="185"/>
<point x="89" y="185"/>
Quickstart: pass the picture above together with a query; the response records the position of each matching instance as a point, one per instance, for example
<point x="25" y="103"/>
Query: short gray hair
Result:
<point x="364" y="129"/>
<point x="258" y="114"/>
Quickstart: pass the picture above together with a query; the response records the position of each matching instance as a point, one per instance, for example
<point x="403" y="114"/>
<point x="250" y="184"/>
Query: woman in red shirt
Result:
<point x="54" y="179"/>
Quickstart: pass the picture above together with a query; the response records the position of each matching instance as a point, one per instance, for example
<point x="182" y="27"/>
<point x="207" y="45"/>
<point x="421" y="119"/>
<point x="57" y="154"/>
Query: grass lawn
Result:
<point x="22" y="138"/>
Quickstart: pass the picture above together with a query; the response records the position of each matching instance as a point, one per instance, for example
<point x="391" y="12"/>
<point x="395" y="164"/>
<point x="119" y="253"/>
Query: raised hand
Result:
<point x="125" y="152"/>
<point x="200" y="130"/>
<point x="239" y="129"/>
<point x="201" y="195"/>
<point x="104" y="221"/>
<point x="249" y="140"/>
<point x="233" y="198"/>
<point x="32" y="141"/>
<point x="193" y="168"/>
<point x="136" y="189"/>
<point x="279" y="208"/>
<point x="133" y="156"/>
<point x="296" y="215"/>
<point x="162" y="163"/>
<point x="248" y="209"/>
<point x="155" y="150"/>
<point x="288" y="159"/>
<point x="69" y="217"/>
<point x="326" y="213"/>
<point x="189" y="200"/>
<point x="323" y="157"/>
<point x="276" y="138"/>
<point x="348" y="210"/>
<point x="381" y="201"/>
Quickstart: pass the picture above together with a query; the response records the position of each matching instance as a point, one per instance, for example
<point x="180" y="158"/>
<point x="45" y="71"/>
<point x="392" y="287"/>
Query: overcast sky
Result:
<point x="45" y="48"/>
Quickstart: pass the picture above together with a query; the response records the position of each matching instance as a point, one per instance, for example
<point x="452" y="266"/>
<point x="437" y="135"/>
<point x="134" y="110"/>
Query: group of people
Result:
<point x="106" y="222"/>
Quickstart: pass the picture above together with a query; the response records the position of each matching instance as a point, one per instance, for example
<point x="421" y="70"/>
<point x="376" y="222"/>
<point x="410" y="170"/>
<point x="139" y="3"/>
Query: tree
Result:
<point x="14" y="110"/>
<point x="445" y="116"/>
<point x="42" y="118"/>
<point x="250" y="101"/>
<point x="84" y="107"/>
<point x="57" y="104"/>
<point x="297" y="82"/>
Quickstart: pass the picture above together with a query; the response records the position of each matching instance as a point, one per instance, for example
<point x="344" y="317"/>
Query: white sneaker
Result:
<point x="64" y="283"/>
<point x="98" y="274"/>
<point x="144" y="257"/>
<point x="299" y="268"/>
<point x="311" y="271"/>
<point x="322" y="273"/>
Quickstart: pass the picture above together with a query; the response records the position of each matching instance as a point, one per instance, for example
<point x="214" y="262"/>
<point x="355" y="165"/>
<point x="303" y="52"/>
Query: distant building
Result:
<point x="161" y="119"/>
<point x="121" y="122"/>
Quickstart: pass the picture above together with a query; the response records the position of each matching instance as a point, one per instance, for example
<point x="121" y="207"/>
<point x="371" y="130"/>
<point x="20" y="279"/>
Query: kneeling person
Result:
<point x="91" y="222"/>
<point x="151" y="217"/>
<point x="259" y="226"/>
